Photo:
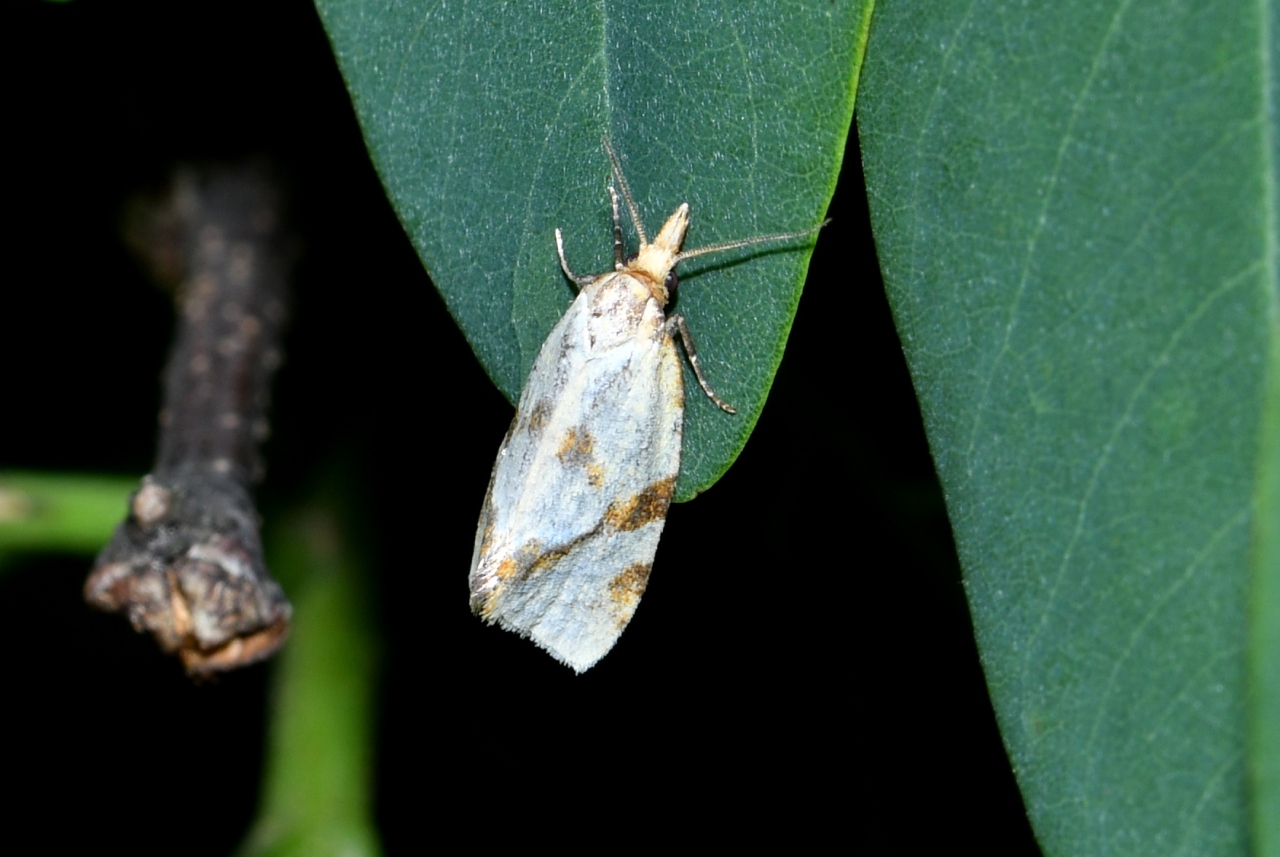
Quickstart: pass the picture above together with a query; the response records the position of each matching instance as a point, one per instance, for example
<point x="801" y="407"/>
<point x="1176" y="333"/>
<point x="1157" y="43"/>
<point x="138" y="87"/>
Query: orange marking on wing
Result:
<point x="644" y="508"/>
<point x="508" y="568"/>
<point x="628" y="585"/>
<point x="531" y="558"/>
<point x="539" y="416"/>
<point x="577" y="449"/>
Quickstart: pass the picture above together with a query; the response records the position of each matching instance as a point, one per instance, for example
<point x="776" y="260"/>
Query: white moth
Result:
<point x="580" y="490"/>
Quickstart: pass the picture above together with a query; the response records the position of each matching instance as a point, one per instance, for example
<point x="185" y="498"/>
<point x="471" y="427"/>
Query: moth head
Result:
<point x="656" y="262"/>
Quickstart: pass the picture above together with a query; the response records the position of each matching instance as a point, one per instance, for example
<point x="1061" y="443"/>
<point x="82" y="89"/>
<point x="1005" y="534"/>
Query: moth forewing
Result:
<point x="580" y="490"/>
<point x="583" y="480"/>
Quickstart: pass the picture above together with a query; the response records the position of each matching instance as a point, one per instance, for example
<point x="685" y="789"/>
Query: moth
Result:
<point x="580" y="490"/>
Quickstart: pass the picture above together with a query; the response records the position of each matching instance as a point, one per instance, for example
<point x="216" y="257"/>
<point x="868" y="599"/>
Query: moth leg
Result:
<point x="619" y="254"/>
<point x="582" y="282"/>
<point x="676" y="323"/>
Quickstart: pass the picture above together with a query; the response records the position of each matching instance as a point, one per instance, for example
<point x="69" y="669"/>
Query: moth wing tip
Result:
<point x="577" y="652"/>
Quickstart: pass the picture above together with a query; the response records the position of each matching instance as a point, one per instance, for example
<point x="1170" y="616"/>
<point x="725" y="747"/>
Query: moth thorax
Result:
<point x="655" y="269"/>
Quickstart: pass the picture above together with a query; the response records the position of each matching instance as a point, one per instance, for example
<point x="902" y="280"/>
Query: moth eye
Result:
<point x="632" y="258"/>
<point x="671" y="284"/>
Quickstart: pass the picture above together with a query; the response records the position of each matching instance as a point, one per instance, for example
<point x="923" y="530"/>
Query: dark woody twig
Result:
<point x="187" y="564"/>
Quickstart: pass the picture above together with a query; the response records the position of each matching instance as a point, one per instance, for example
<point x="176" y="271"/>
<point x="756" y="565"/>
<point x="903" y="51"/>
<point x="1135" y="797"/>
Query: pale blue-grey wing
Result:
<point x="581" y="486"/>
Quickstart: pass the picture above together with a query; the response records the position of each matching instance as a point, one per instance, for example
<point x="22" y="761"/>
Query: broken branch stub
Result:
<point x="186" y="565"/>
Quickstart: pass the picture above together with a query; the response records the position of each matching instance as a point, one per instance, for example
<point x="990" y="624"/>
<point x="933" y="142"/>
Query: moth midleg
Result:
<point x="677" y="323"/>
<point x="619" y="254"/>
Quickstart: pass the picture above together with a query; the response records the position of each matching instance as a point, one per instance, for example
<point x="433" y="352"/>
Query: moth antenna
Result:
<point x="747" y="242"/>
<point x="626" y="190"/>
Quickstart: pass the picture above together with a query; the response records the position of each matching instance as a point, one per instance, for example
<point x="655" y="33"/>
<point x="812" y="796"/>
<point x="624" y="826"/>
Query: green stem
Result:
<point x="60" y="512"/>
<point x="317" y="782"/>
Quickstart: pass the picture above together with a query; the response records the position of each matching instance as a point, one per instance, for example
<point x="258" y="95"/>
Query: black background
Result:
<point x="819" y="686"/>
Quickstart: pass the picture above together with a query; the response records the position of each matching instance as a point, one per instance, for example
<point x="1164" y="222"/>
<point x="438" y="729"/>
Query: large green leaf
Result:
<point x="485" y="121"/>
<point x="1075" y="209"/>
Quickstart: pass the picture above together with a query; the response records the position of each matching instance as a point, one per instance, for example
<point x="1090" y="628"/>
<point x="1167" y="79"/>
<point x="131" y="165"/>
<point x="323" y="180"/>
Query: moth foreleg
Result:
<point x="581" y="282"/>
<point x="676" y="323"/>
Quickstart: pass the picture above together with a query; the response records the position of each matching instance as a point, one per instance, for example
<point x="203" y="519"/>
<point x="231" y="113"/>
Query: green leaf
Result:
<point x="485" y="122"/>
<point x="1264" y="618"/>
<point x="1075" y="210"/>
